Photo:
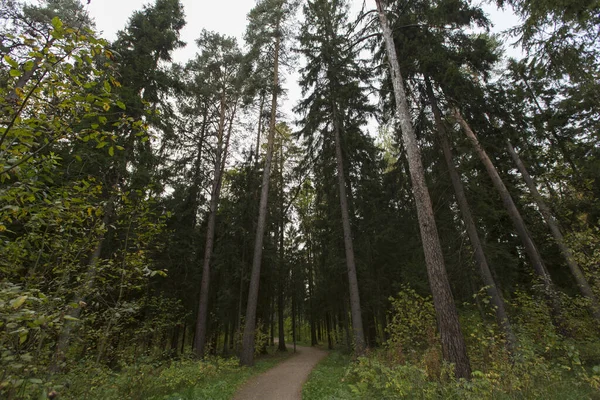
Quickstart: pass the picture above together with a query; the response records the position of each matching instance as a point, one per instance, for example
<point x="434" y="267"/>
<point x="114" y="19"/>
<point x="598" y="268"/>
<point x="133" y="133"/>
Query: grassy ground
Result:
<point x="327" y="381"/>
<point x="223" y="386"/>
<point x="338" y="377"/>
<point x="189" y="379"/>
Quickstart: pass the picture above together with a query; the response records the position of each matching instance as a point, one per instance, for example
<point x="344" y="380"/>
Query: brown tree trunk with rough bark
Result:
<point x="453" y="344"/>
<point x="247" y="354"/>
<point x="220" y="157"/>
<point x="357" y="325"/>
<point x="530" y="248"/>
<point x="281" y="275"/>
<point x="552" y="223"/>
<point x="313" y="324"/>
<point x="463" y="204"/>
<point x="260" y="114"/>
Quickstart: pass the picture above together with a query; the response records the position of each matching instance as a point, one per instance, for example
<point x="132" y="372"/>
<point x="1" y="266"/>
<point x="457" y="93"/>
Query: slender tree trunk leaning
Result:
<point x="453" y="345"/>
<point x="552" y="223"/>
<point x="511" y="208"/>
<point x="247" y="355"/>
<point x="463" y="204"/>
<point x="201" y="325"/>
<point x="294" y="319"/>
<point x="357" y="325"/>
<point x="260" y="114"/>
<point x="281" y="277"/>
<point x="328" y="327"/>
<point x="184" y="329"/>
<point x="313" y="325"/>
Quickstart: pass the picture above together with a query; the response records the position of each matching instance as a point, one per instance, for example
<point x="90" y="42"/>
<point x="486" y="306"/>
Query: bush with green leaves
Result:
<point x="545" y="364"/>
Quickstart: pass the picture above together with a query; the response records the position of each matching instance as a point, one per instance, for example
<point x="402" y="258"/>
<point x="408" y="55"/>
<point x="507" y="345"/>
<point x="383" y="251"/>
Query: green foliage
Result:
<point x="585" y="242"/>
<point x="373" y="378"/>
<point x="328" y="380"/>
<point x="545" y="365"/>
<point x="412" y="326"/>
<point x="28" y="317"/>
<point x="186" y="378"/>
<point x="151" y="380"/>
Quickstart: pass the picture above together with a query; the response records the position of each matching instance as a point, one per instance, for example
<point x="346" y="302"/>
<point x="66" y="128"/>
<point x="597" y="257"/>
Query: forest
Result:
<point x="428" y="213"/>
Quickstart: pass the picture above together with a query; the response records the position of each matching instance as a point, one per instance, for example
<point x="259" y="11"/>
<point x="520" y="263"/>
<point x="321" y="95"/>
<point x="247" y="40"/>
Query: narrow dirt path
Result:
<point x="284" y="381"/>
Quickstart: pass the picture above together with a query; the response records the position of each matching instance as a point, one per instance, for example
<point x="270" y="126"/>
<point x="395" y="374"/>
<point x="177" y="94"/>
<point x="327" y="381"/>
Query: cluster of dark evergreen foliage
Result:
<point x="153" y="209"/>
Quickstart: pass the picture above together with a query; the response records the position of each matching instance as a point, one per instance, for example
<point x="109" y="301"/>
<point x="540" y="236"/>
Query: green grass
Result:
<point x="327" y="380"/>
<point x="338" y="377"/>
<point x="211" y="379"/>
<point x="224" y="386"/>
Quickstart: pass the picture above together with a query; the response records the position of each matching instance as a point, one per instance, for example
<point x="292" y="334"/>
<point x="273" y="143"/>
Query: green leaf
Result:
<point x="15" y="72"/>
<point x="57" y="23"/>
<point x="71" y="318"/>
<point x="107" y="86"/>
<point x="36" y="381"/>
<point x="121" y="105"/>
<point x="11" y="62"/>
<point x="18" y="302"/>
<point x="23" y="337"/>
<point x="111" y="151"/>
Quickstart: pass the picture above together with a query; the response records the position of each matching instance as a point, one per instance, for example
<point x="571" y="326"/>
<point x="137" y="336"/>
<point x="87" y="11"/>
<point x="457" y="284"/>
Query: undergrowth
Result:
<point x="213" y="378"/>
<point x="546" y="365"/>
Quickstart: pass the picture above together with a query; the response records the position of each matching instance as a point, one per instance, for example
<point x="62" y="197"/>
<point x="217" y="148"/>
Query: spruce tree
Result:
<point x="335" y="108"/>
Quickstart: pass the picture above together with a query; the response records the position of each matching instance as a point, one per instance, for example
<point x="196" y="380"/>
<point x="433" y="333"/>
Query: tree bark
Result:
<point x="247" y="355"/>
<point x="281" y="277"/>
<point x="313" y="324"/>
<point x="260" y="114"/>
<point x="552" y="223"/>
<point x="293" y="318"/>
<point x="201" y="325"/>
<point x="453" y="345"/>
<point x="357" y="326"/>
<point x="463" y="204"/>
<point x="511" y="208"/>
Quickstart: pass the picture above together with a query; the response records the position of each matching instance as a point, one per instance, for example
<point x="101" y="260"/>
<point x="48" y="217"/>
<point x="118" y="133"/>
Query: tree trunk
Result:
<point x="272" y="321"/>
<point x="346" y="326"/>
<point x="328" y="327"/>
<point x="552" y="223"/>
<point x="260" y="114"/>
<point x="226" y="340"/>
<point x="313" y="325"/>
<point x="183" y="337"/>
<point x="511" y="208"/>
<point x="201" y="326"/>
<point x="463" y="204"/>
<point x="357" y="326"/>
<point x="247" y="355"/>
<point x="453" y="345"/>
<point x="294" y="320"/>
<point x="281" y="277"/>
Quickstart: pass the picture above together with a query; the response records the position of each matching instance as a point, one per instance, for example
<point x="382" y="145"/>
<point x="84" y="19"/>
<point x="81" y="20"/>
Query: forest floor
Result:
<point x="284" y="381"/>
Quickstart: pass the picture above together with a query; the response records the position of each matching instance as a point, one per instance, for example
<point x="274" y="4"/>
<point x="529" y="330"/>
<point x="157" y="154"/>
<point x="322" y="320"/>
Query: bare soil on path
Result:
<point x="284" y="381"/>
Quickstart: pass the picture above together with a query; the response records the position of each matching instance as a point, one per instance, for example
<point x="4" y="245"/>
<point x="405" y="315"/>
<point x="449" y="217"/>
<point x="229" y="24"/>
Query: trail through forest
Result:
<point x="283" y="382"/>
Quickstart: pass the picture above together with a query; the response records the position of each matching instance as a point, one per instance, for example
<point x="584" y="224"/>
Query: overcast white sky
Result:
<point x="227" y="17"/>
